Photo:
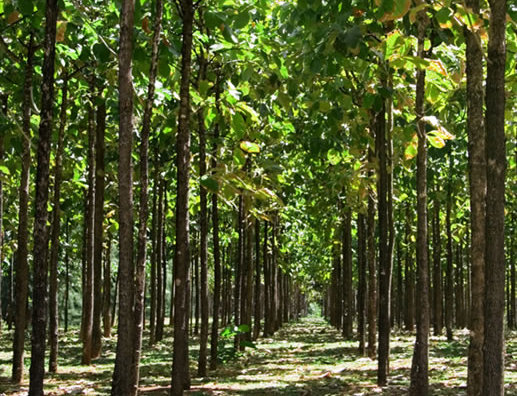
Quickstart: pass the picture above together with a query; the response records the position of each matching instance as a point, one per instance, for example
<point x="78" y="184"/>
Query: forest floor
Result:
<point x="303" y="358"/>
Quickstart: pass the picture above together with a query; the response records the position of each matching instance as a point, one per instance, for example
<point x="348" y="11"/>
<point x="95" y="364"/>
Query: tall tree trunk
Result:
<point x="247" y="271"/>
<point x="274" y="277"/>
<point x="257" y="311"/>
<point x="98" y="229"/>
<point x="400" y="286"/>
<point x="437" y="270"/>
<point x="40" y="233"/>
<point x="122" y="378"/>
<point x="90" y="226"/>
<point x="385" y="261"/>
<point x="154" y="253"/>
<point x="493" y="346"/>
<point x="203" y="227"/>
<point x="22" y="266"/>
<point x="3" y="103"/>
<point x="106" y="311"/>
<point x="419" y="385"/>
<point x="180" y="365"/>
<point x="54" y="244"/>
<point x="449" y="284"/>
<point x="216" y="247"/>
<point x="362" y="285"/>
<point x="372" y="271"/>
<point x="143" y="215"/>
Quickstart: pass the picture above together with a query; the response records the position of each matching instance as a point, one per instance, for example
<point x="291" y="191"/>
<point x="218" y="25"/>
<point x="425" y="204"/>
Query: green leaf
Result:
<point x="333" y="156"/>
<point x="26" y="7"/>
<point x="4" y="170"/>
<point x="239" y="125"/>
<point x="250" y="147"/>
<point x="102" y="54"/>
<point x="239" y="158"/>
<point x="241" y="20"/>
<point x="412" y="149"/>
<point x="210" y="183"/>
<point x="228" y="34"/>
<point x="243" y="328"/>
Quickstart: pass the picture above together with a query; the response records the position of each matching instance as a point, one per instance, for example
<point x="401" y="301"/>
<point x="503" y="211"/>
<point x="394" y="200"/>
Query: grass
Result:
<point x="303" y="358"/>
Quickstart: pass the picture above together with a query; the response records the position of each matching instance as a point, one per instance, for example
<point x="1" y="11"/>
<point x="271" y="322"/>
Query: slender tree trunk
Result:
<point x="90" y="240"/>
<point x="267" y="284"/>
<point x="122" y="378"/>
<point x="347" y="285"/>
<point x="362" y="291"/>
<point x="40" y="233"/>
<point x="154" y="253"/>
<point x="98" y="229"/>
<point x="143" y="215"/>
<point x="160" y="282"/>
<point x="372" y="272"/>
<point x="257" y="311"/>
<point x="67" y="273"/>
<point x="460" y="302"/>
<point x="493" y="347"/>
<point x="449" y="284"/>
<point x="217" y="255"/>
<point x="419" y="368"/>
<point x="54" y="244"/>
<point x="437" y="271"/>
<point x="409" y="279"/>
<point x="3" y="109"/>
<point x="22" y="266"/>
<point x="247" y="272"/>
<point x="385" y="260"/>
<point x="400" y="286"/>
<point x="274" y="278"/>
<point x="203" y="238"/>
<point x="180" y="365"/>
<point x="106" y="311"/>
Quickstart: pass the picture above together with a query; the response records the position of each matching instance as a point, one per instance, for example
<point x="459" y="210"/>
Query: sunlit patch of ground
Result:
<point x="304" y="358"/>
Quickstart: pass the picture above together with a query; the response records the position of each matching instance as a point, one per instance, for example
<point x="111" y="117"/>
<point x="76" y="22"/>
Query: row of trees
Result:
<point x="294" y="133"/>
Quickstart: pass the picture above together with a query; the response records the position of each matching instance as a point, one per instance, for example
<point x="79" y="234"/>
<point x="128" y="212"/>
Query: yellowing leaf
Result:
<point x="437" y="66"/>
<point x="145" y="25"/>
<point x="13" y="17"/>
<point x="435" y="140"/>
<point x="60" y="31"/>
<point x="250" y="147"/>
<point x="412" y="148"/>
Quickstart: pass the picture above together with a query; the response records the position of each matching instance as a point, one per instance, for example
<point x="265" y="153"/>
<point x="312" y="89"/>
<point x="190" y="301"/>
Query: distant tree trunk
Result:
<point x="267" y="284"/>
<point x="122" y="379"/>
<point x="106" y="311"/>
<point x="143" y="215"/>
<point x="160" y="282"/>
<point x="419" y="385"/>
<point x="513" y="320"/>
<point x="40" y="233"/>
<point x="449" y="276"/>
<point x="54" y="243"/>
<point x="400" y="286"/>
<point x="437" y="270"/>
<point x="115" y="299"/>
<point x="154" y="253"/>
<point x="372" y="271"/>
<point x="67" y="273"/>
<point x="216" y="248"/>
<point x="409" y="278"/>
<point x="493" y="346"/>
<point x="203" y="237"/>
<point x="347" y="285"/>
<point x="98" y="229"/>
<point x="195" y="281"/>
<point x="22" y="266"/>
<point x="274" y="278"/>
<point x="257" y="311"/>
<point x="238" y="268"/>
<point x="90" y="246"/>
<point x="180" y="365"/>
<point x="247" y="271"/>
<point x="460" y="302"/>
<point x="361" y="286"/>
